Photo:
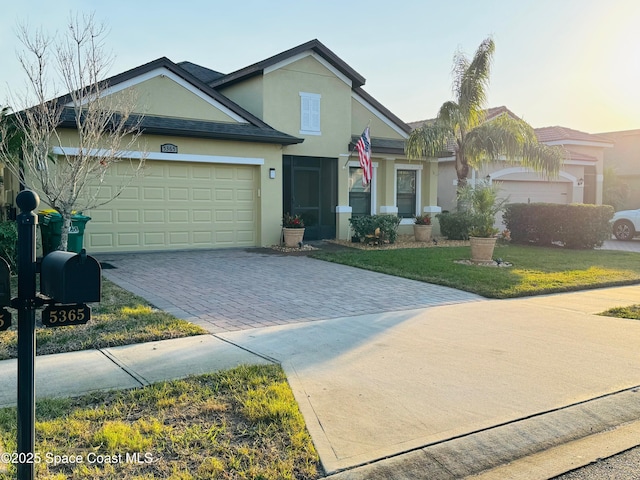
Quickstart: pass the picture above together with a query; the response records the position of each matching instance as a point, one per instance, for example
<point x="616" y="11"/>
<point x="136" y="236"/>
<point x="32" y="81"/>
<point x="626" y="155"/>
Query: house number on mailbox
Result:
<point x="61" y="315"/>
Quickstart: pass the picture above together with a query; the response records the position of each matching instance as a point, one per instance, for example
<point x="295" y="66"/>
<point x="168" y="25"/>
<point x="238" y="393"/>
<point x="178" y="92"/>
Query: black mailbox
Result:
<point x="70" y="277"/>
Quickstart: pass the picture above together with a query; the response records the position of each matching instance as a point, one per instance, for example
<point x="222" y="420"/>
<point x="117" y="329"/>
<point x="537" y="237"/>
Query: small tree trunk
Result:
<point x="462" y="172"/>
<point x="64" y="232"/>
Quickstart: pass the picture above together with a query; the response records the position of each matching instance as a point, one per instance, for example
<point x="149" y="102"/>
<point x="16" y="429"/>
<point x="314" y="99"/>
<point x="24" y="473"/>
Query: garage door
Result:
<point x="177" y="205"/>
<point x="534" y="192"/>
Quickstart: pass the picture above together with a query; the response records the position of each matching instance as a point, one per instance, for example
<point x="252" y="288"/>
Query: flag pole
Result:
<point x="354" y="147"/>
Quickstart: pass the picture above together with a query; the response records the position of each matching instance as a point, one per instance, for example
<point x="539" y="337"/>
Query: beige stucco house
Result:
<point x="579" y="180"/>
<point x="227" y="155"/>
<point x="624" y="161"/>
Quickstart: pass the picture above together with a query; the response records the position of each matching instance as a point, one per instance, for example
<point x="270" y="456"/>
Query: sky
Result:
<point x="573" y="63"/>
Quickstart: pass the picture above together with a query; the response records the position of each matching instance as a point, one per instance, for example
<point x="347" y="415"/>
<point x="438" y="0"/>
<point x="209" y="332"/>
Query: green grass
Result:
<point x="631" y="312"/>
<point x="238" y="424"/>
<point x="535" y="270"/>
<point x="121" y="318"/>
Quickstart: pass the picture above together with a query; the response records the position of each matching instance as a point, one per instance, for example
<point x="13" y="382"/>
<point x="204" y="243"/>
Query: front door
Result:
<point x="309" y="185"/>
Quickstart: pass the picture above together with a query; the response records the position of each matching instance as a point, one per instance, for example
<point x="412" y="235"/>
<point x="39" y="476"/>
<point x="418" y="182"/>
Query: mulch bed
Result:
<point x="403" y="241"/>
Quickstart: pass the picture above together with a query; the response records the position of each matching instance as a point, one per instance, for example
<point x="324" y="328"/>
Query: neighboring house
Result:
<point x="624" y="160"/>
<point x="579" y="180"/>
<point x="227" y="155"/>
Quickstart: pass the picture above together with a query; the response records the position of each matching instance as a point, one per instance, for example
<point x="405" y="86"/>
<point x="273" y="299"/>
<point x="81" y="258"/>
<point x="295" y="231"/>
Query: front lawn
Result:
<point x="121" y="318"/>
<point x="534" y="270"/>
<point x="238" y="424"/>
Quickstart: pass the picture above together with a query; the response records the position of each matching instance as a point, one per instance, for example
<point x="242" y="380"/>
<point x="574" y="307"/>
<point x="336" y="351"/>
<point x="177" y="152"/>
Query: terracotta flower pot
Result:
<point x="422" y="233"/>
<point x="482" y="249"/>
<point x="293" y="236"/>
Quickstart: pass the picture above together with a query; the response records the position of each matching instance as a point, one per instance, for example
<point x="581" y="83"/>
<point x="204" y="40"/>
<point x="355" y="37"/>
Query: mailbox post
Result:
<point x="68" y="280"/>
<point x="25" y="303"/>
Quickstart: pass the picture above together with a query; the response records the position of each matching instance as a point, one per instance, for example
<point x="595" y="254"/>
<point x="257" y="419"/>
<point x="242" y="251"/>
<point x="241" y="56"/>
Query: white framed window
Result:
<point x="310" y="113"/>
<point x="362" y="199"/>
<point x="408" y="187"/>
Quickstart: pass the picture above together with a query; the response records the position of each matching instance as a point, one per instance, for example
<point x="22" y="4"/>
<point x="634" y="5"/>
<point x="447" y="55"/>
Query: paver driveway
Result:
<point x="226" y="290"/>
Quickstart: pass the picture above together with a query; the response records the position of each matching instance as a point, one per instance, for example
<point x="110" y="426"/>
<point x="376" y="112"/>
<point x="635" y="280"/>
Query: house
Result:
<point x="228" y="154"/>
<point x="579" y="180"/>
<point x="624" y="161"/>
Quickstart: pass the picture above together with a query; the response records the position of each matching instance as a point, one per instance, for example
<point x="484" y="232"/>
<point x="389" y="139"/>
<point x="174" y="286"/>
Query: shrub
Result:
<point x="364" y="225"/>
<point x="483" y="203"/>
<point x="456" y="225"/>
<point x="574" y="226"/>
<point x="9" y="243"/>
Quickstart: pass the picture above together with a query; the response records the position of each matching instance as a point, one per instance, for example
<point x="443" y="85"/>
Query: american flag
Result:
<point x="364" y="154"/>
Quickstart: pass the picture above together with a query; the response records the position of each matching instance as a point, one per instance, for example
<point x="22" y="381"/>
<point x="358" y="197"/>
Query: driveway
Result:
<point x="390" y="389"/>
<point x="230" y="290"/>
<point x="628" y="246"/>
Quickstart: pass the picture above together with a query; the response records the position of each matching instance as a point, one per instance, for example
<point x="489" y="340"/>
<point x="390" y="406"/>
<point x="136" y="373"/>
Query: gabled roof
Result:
<point x="254" y="130"/>
<point x="490" y="114"/>
<point x="315" y="45"/>
<point x="564" y="134"/>
<point x="494" y="112"/>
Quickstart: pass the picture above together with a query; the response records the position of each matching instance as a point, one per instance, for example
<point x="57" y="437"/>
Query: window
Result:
<point x="406" y="196"/>
<point x="408" y="178"/>
<point x="359" y="195"/>
<point x="310" y="113"/>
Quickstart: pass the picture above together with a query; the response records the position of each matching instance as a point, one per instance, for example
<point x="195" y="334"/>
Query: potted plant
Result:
<point x="482" y="203"/>
<point x="422" y="228"/>
<point x="292" y="230"/>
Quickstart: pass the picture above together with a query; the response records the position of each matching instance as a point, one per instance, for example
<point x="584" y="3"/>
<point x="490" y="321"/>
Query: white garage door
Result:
<point x="531" y="192"/>
<point x="177" y="205"/>
<point x="535" y="192"/>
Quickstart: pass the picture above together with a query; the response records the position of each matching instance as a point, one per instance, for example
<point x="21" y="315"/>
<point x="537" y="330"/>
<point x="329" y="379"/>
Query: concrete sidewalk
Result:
<point x="441" y="392"/>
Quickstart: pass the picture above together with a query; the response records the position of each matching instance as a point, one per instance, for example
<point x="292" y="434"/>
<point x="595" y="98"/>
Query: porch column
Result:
<point x="343" y="210"/>
<point x="430" y="192"/>
<point x="343" y="214"/>
<point x="388" y="190"/>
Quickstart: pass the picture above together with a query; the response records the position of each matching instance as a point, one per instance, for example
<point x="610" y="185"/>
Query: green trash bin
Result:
<point x="50" y="223"/>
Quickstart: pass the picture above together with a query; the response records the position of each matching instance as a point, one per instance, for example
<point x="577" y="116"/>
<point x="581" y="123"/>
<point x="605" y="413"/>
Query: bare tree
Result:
<point x="70" y="142"/>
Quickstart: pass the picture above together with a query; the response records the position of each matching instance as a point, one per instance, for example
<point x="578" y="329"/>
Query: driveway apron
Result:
<point x="229" y="290"/>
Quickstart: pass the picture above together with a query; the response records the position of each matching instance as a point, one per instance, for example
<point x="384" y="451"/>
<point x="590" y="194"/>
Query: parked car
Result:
<point x="626" y="224"/>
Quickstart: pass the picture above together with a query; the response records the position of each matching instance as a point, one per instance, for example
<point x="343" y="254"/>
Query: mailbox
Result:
<point x="70" y="277"/>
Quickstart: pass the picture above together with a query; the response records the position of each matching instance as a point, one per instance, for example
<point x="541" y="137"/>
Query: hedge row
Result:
<point x="574" y="226"/>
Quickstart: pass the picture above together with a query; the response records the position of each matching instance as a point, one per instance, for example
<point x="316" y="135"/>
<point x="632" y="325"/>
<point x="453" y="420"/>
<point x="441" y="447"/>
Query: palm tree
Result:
<point x="460" y="126"/>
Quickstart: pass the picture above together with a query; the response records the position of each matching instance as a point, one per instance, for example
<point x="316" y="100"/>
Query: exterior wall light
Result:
<point x="272" y="173"/>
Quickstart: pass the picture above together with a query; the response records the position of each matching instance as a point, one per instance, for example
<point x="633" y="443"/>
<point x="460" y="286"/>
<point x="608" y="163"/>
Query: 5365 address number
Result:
<point x="62" y="315"/>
